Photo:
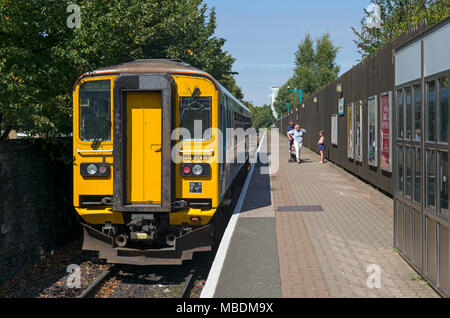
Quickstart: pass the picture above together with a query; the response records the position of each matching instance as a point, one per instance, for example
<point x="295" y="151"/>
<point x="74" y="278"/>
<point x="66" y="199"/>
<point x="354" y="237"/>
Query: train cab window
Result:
<point x="196" y="111"/>
<point x="95" y="110"/>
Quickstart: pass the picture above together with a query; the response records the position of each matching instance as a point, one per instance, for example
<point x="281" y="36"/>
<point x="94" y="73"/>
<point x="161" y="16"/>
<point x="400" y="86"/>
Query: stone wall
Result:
<point x="36" y="211"/>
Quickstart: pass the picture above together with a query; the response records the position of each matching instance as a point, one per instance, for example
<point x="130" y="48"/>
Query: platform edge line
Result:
<point x="216" y="269"/>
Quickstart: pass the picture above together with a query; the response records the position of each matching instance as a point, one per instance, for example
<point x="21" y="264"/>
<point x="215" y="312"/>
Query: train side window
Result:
<point x="95" y="111"/>
<point x="194" y="111"/>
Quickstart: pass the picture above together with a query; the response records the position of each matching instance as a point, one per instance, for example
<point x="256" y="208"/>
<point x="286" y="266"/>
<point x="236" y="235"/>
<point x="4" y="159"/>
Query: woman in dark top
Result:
<point x="321" y="146"/>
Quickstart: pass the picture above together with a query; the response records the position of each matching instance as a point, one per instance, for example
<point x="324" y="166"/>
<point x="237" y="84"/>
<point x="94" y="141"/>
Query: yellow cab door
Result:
<point x="143" y="147"/>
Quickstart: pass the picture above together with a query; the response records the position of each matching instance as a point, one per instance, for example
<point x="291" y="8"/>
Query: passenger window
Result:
<point x="417" y="112"/>
<point x="431" y="179"/>
<point x="400" y="169"/>
<point x="417" y="174"/>
<point x="431" y="111"/>
<point x="95" y="111"/>
<point x="196" y="111"/>
<point x="443" y="109"/>
<point x="443" y="184"/>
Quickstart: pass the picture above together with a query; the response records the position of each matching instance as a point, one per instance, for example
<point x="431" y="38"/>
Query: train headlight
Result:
<point x="187" y="170"/>
<point x="94" y="169"/>
<point x="91" y="169"/>
<point x="197" y="170"/>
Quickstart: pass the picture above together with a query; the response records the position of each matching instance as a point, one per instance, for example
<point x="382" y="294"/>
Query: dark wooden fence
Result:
<point x="373" y="76"/>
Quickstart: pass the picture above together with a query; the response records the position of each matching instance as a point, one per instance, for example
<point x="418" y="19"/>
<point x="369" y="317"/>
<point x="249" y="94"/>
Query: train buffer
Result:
<point x="310" y="230"/>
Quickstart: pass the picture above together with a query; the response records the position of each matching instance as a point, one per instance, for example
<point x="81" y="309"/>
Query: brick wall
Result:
<point x="36" y="212"/>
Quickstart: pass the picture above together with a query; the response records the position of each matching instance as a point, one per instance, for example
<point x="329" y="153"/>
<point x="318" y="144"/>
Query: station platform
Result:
<point x="310" y="231"/>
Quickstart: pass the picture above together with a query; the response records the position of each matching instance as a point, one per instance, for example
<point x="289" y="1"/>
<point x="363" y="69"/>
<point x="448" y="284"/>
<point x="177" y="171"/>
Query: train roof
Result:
<point x="161" y="65"/>
<point x="153" y="65"/>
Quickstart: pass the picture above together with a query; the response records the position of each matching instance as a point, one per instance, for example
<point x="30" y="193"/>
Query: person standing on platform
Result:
<point x="291" y="140"/>
<point x="321" y="146"/>
<point x="297" y="135"/>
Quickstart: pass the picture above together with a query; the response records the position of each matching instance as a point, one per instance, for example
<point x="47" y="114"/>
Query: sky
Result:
<point x="263" y="36"/>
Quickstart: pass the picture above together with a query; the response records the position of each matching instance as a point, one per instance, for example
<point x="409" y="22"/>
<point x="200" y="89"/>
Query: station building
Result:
<point x="386" y="120"/>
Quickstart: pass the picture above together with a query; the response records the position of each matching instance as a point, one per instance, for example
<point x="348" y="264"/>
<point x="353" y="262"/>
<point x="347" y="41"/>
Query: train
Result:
<point x="150" y="177"/>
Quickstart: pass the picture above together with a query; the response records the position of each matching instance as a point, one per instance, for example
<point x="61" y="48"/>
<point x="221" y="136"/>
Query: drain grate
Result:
<point x="300" y="208"/>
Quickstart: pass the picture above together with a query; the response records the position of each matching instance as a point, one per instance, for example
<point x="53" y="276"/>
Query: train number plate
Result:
<point x="195" y="187"/>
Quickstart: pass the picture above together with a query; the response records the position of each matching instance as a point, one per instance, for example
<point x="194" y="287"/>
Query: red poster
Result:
<point x="385" y="112"/>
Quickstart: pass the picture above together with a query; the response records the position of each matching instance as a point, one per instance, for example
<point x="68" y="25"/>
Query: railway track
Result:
<point x="160" y="281"/>
<point x="92" y="290"/>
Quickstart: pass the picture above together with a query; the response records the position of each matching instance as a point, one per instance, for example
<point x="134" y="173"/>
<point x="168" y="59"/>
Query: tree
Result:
<point x="396" y="17"/>
<point x="262" y="116"/>
<point x="40" y="57"/>
<point x="315" y="67"/>
<point x="325" y="58"/>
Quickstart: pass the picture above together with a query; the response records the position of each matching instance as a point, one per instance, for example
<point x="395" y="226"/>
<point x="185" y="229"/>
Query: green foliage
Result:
<point x="262" y="116"/>
<point x="41" y="58"/>
<point x="397" y="16"/>
<point x="315" y="67"/>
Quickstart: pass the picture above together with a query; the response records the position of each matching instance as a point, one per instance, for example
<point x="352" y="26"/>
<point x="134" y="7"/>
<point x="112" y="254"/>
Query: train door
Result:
<point x="143" y="147"/>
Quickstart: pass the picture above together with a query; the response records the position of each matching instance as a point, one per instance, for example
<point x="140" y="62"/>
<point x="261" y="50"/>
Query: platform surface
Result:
<point x="314" y="230"/>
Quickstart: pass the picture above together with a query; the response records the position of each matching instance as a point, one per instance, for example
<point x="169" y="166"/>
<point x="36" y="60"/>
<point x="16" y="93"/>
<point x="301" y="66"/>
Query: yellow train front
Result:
<point x="147" y="192"/>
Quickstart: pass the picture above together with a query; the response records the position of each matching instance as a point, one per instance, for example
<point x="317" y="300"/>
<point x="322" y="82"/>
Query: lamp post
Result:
<point x="287" y="106"/>
<point x="297" y="92"/>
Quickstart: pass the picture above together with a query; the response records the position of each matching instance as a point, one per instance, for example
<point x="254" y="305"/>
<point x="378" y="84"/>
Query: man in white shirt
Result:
<point x="297" y="134"/>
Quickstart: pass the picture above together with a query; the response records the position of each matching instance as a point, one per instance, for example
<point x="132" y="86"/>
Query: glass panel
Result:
<point x="400" y="115"/>
<point x="408" y="164"/>
<point x="417" y="174"/>
<point x="430" y="180"/>
<point x="443" y="109"/>
<point x="408" y="92"/>
<point x="95" y="111"/>
<point x="431" y="111"/>
<point x="417" y="112"/>
<point x="196" y="111"/>
<point x="443" y="183"/>
<point x="400" y="169"/>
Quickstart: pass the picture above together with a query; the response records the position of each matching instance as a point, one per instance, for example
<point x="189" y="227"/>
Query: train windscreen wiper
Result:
<point x="192" y="103"/>
<point x="97" y="141"/>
